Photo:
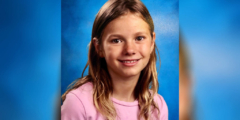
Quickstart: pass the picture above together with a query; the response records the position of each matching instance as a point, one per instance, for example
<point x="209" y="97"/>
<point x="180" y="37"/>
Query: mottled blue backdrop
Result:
<point x="77" y="20"/>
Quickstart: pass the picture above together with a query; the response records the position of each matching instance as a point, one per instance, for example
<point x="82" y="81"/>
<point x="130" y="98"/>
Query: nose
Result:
<point x="130" y="48"/>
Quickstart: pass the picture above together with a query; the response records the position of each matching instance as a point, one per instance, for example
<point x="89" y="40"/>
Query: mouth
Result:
<point x="129" y="62"/>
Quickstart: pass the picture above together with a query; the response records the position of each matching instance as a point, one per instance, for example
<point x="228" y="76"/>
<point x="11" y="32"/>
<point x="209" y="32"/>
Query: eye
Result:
<point x="139" y="38"/>
<point x="116" y="41"/>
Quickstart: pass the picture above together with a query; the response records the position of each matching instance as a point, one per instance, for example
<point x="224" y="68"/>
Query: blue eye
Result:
<point x="139" y="38"/>
<point x="116" y="41"/>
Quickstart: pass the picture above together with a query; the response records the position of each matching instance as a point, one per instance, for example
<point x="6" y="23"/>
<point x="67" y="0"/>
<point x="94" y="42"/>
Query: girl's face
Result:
<point x="127" y="45"/>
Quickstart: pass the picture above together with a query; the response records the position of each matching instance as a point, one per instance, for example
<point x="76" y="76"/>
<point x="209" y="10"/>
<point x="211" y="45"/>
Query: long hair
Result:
<point x="98" y="73"/>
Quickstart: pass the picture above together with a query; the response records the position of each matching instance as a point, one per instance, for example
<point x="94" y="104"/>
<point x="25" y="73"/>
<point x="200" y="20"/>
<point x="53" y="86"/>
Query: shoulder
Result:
<point x="77" y="102"/>
<point x="162" y="105"/>
<point x="160" y="101"/>
<point x="85" y="89"/>
<point x="84" y="93"/>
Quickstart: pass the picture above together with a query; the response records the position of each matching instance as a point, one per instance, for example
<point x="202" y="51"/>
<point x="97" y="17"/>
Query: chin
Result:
<point x="130" y="74"/>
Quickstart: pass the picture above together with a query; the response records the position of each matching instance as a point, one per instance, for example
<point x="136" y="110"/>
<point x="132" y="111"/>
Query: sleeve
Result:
<point x="163" y="108"/>
<point x="72" y="108"/>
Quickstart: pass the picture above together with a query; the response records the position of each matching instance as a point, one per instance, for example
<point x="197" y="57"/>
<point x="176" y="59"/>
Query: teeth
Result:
<point x="129" y="61"/>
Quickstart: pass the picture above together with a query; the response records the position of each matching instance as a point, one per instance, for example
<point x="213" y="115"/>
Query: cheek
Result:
<point x="145" y="49"/>
<point x="111" y="52"/>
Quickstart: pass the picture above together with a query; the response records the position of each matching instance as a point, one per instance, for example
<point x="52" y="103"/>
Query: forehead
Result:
<point x="127" y="24"/>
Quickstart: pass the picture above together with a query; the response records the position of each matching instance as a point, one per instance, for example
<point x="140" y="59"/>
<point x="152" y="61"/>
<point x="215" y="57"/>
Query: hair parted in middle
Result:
<point x="98" y="73"/>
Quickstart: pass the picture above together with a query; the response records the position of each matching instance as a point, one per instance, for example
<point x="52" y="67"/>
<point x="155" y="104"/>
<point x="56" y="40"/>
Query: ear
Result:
<point x="153" y="41"/>
<point x="97" y="46"/>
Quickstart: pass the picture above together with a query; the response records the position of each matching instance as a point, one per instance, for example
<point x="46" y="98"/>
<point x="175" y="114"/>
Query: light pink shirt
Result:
<point x="78" y="105"/>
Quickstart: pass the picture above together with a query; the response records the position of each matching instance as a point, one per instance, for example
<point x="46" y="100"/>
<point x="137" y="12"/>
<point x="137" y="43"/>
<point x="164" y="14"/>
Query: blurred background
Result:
<point x="30" y="59"/>
<point x="211" y="39"/>
<point x="77" y="20"/>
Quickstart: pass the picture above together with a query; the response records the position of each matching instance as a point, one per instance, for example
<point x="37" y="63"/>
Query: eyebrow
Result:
<point x="115" y="35"/>
<point x="119" y="35"/>
<point x="141" y="32"/>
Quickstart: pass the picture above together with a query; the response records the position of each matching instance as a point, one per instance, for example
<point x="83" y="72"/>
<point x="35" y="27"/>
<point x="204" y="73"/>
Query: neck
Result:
<point x="123" y="88"/>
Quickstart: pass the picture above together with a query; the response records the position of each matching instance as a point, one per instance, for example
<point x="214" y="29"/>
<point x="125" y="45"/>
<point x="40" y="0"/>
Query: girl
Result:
<point x="122" y="68"/>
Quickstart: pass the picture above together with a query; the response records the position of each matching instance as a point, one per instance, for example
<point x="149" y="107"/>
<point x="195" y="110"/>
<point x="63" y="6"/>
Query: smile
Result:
<point x="129" y="63"/>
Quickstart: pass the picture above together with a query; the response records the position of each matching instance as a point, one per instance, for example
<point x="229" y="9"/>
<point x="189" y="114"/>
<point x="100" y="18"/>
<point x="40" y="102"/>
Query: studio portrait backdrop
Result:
<point x="77" y="21"/>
